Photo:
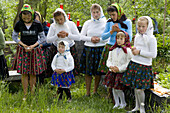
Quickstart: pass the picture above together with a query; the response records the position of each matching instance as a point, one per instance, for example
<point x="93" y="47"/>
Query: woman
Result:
<point x="91" y="34"/>
<point x="117" y="22"/>
<point x="3" y="66"/>
<point x="29" y="59"/>
<point x="63" y="29"/>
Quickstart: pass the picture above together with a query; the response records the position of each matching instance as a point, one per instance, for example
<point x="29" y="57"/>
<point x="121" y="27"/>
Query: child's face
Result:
<point x="60" y="19"/>
<point x="120" y="39"/>
<point x="26" y="16"/>
<point x="61" y="48"/>
<point x="142" y="26"/>
<point x="113" y="15"/>
<point x="96" y="13"/>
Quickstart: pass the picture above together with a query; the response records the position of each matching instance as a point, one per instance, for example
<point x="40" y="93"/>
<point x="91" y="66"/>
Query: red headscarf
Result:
<point x="125" y="45"/>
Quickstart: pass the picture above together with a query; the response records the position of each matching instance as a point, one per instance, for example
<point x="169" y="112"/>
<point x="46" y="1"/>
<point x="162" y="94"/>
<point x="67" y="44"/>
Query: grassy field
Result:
<point x="45" y="100"/>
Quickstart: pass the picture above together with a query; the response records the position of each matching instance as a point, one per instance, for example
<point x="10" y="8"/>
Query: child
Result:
<point x="118" y="59"/>
<point x="63" y="65"/>
<point x="29" y="59"/>
<point x="139" y="71"/>
<point x="3" y="66"/>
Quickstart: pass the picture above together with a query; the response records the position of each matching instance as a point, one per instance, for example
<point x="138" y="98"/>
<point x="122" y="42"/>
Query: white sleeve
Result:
<point x="152" y="49"/>
<point x="51" y="36"/>
<point x="53" y="64"/>
<point x="74" y="34"/>
<point x="84" y="36"/>
<point x="109" y="60"/>
<point x="129" y="55"/>
<point x="70" y="64"/>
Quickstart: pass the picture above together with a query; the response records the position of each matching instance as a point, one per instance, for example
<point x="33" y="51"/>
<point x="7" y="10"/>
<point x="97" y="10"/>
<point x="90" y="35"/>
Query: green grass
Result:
<point x="45" y="100"/>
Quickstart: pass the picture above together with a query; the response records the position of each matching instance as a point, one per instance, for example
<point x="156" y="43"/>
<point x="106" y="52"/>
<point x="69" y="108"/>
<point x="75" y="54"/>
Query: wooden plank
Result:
<point x="10" y="42"/>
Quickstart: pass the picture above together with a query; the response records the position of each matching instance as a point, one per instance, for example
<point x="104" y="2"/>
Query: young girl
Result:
<point x="63" y="65"/>
<point x="63" y="29"/>
<point x="91" y="34"/>
<point x="3" y="66"/>
<point x="139" y="71"/>
<point x="118" y="59"/>
<point x="117" y="22"/>
<point x="29" y="59"/>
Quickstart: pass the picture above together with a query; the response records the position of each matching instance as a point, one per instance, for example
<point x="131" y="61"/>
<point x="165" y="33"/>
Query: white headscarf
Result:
<point x="102" y="17"/>
<point x="149" y="32"/>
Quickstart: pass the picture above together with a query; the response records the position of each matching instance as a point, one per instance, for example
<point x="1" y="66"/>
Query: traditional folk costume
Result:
<point x="92" y="51"/>
<point x="118" y="56"/>
<point x="73" y="34"/>
<point x="139" y="71"/>
<point x="63" y="61"/>
<point x="124" y="25"/>
<point x="32" y="62"/>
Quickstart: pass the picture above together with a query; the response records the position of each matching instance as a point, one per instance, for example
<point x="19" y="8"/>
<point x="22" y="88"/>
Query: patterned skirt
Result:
<point x="89" y="61"/>
<point x="29" y="62"/>
<point x="63" y="80"/>
<point x="138" y="76"/>
<point x="3" y="68"/>
<point x="102" y="64"/>
<point x="113" y="80"/>
<point x="53" y="51"/>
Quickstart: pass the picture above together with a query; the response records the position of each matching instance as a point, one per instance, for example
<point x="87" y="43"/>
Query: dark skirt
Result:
<point x="138" y="76"/>
<point x="63" y="80"/>
<point x="113" y="80"/>
<point x="89" y="61"/>
<point x="3" y="68"/>
<point x="102" y="64"/>
<point x="53" y="51"/>
<point x="32" y="63"/>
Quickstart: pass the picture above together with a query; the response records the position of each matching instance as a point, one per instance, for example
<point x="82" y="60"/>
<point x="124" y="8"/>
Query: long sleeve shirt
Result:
<point x="106" y="34"/>
<point x="118" y="58"/>
<point x="70" y="27"/>
<point x="2" y="42"/>
<point x="147" y="50"/>
<point x="93" y="28"/>
<point x="59" y="62"/>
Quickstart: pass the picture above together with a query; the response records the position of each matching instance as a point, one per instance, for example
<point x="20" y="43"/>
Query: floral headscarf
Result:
<point x="119" y="9"/>
<point x="125" y="45"/>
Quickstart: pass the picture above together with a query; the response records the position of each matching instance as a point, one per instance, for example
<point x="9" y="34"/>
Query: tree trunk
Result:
<point x="164" y="23"/>
<point x="21" y="3"/>
<point x="45" y="8"/>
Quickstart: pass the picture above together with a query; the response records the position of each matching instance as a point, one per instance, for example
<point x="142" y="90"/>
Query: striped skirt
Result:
<point x="102" y="65"/>
<point x="32" y="63"/>
<point x="138" y="76"/>
<point x="89" y="61"/>
<point x="3" y="68"/>
<point x="63" y="80"/>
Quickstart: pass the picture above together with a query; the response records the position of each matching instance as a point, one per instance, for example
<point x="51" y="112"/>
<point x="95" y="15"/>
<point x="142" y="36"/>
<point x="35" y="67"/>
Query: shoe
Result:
<point x="115" y="106"/>
<point x="69" y="100"/>
<point x="122" y="106"/>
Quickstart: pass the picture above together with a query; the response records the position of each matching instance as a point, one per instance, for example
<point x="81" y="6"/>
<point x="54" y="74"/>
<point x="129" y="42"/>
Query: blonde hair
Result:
<point x="95" y="6"/>
<point x="143" y="19"/>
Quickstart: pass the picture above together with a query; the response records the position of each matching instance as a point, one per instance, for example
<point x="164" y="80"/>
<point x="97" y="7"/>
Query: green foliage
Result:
<point x="164" y="79"/>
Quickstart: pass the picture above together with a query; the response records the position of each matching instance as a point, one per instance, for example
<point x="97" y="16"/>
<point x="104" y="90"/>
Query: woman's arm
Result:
<point x="74" y="34"/>
<point x="51" y="36"/>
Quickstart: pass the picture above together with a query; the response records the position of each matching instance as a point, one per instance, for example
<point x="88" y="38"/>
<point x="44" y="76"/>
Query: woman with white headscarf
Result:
<point x="91" y="34"/>
<point x="65" y="30"/>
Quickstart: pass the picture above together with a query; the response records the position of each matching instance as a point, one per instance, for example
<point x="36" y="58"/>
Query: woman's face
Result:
<point x="96" y="14"/>
<point x="26" y="16"/>
<point x="60" y="19"/>
<point x="113" y="15"/>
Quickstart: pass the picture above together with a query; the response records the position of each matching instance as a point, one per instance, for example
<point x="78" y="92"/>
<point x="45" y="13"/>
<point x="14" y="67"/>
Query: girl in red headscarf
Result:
<point x="118" y="59"/>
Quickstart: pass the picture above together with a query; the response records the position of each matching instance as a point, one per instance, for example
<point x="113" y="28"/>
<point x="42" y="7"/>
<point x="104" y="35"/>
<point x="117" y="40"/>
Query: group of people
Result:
<point x="107" y="51"/>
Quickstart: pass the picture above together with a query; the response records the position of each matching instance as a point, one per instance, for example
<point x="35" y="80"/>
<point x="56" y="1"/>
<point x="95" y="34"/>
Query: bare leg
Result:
<point x="32" y="83"/>
<point x="24" y="80"/>
<point x="96" y="83"/>
<point x="88" y="84"/>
